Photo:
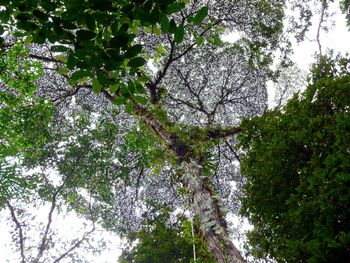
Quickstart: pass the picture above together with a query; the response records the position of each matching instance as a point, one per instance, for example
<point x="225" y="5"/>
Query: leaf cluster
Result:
<point x="23" y="116"/>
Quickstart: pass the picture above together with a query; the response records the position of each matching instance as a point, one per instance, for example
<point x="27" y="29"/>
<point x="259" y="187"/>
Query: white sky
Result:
<point x="338" y="38"/>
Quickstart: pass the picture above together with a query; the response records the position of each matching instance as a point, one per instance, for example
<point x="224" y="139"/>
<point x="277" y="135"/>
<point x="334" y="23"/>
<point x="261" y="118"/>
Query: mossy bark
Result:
<point x="202" y="197"/>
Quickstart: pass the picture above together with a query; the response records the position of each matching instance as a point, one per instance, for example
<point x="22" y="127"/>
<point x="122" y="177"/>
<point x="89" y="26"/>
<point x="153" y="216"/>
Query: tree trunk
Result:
<point x="204" y="203"/>
<point x="213" y="223"/>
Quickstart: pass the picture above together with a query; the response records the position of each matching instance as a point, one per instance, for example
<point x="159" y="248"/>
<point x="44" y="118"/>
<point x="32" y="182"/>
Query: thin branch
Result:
<point x="68" y="94"/>
<point x="45" y="59"/>
<point x="233" y="151"/>
<point x="188" y="104"/>
<point x="161" y="74"/>
<point x="20" y="230"/>
<point x="80" y="241"/>
<point x="152" y="86"/>
<point x="42" y="246"/>
<point x="323" y="10"/>
<point x="138" y="184"/>
<point x="193" y="243"/>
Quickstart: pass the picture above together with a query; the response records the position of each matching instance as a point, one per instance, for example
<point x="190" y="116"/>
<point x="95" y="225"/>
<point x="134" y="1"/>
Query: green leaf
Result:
<point x="120" y="40"/>
<point x="59" y="48"/>
<point x="156" y="30"/>
<point x="72" y="13"/>
<point x="24" y="16"/>
<point x="179" y="34"/>
<point x="85" y="34"/>
<point x="48" y="5"/>
<point x="102" y="78"/>
<point x="63" y="70"/>
<point x="114" y="88"/>
<point x="172" y="26"/>
<point x="71" y="61"/>
<point x="139" y="89"/>
<point x="129" y="107"/>
<point x="136" y="62"/>
<point x="120" y="101"/>
<point x="164" y="24"/>
<point x="27" y="26"/>
<point x="201" y="14"/>
<point x="69" y="25"/>
<point x="89" y="22"/>
<point x="96" y="86"/>
<point x="102" y="18"/>
<point x="199" y="40"/>
<point x="40" y="15"/>
<point x="76" y="76"/>
<point x="215" y="40"/>
<point x="125" y="91"/>
<point x="175" y="7"/>
<point x="1" y="30"/>
<point x="39" y="37"/>
<point x="133" y="51"/>
<point x="140" y="99"/>
<point x="5" y="15"/>
<point x="131" y="87"/>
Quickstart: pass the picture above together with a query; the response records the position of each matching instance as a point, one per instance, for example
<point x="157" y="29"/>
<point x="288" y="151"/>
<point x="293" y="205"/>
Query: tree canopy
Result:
<point x="119" y="103"/>
<point x="297" y="169"/>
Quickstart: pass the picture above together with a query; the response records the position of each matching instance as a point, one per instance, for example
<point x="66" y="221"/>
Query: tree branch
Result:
<point x="233" y="151"/>
<point x="216" y="133"/>
<point x="42" y="246"/>
<point x="161" y="74"/>
<point x="323" y="10"/>
<point x="45" y="59"/>
<point x="80" y="241"/>
<point x="20" y="230"/>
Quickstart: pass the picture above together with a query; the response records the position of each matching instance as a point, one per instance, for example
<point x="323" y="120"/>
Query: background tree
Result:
<point x="297" y="171"/>
<point x="35" y="236"/>
<point x="161" y="240"/>
<point x="290" y="81"/>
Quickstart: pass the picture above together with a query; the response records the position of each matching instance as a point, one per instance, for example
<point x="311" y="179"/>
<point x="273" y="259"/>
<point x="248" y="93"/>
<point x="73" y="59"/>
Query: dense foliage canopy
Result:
<point x="297" y="168"/>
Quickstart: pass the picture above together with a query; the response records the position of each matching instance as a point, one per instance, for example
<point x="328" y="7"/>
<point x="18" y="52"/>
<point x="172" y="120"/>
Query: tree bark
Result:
<point x="213" y="222"/>
<point x="204" y="203"/>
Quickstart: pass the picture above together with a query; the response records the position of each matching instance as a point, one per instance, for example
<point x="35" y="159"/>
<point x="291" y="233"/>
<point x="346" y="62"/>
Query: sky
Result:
<point x="338" y="38"/>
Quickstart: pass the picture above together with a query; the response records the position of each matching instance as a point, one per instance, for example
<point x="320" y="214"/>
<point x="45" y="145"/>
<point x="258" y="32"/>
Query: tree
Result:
<point x="99" y="85"/>
<point x="297" y="171"/>
<point x="35" y="235"/>
<point x="160" y="240"/>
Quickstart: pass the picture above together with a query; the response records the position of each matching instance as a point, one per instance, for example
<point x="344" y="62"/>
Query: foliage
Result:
<point x="345" y="7"/>
<point x="298" y="171"/>
<point x="125" y="132"/>
<point x="161" y="241"/>
<point x="93" y="37"/>
<point x="23" y="117"/>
